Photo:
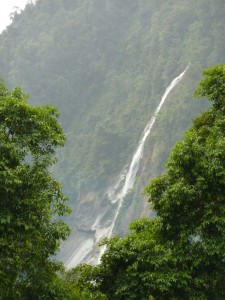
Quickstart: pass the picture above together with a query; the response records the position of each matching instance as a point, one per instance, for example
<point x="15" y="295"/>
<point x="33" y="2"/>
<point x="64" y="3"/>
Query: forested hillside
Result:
<point x="180" y="253"/>
<point x="105" y="64"/>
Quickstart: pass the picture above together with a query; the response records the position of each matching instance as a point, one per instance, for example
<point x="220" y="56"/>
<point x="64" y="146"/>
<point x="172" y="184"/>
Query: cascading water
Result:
<point x="134" y="165"/>
<point x="103" y="227"/>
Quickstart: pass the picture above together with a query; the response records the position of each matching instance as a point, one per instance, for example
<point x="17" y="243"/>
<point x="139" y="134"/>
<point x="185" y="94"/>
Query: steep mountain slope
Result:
<point x="105" y="64"/>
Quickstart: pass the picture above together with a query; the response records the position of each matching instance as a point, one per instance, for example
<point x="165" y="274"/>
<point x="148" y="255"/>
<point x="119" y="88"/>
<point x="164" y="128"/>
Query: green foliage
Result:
<point x="189" y="198"/>
<point x="179" y="254"/>
<point x="31" y="199"/>
<point x="105" y="65"/>
<point x="139" y="266"/>
<point x="108" y="71"/>
<point x="213" y="86"/>
<point x="79" y="279"/>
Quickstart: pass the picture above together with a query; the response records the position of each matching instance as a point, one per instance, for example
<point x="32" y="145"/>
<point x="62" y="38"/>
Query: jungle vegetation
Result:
<point x="180" y="253"/>
<point x="105" y="65"/>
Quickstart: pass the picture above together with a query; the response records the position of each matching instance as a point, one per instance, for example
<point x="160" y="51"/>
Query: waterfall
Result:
<point x="129" y="174"/>
<point x="103" y="226"/>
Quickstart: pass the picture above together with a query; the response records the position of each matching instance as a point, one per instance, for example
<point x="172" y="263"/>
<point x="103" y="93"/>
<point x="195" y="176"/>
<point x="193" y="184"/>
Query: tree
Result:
<point x="189" y="198"/>
<point x="31" y="200"/>
<point x="179" y="254"/>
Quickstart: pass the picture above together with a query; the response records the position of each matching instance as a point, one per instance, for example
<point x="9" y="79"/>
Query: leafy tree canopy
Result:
<point x="30" y="198"/>
<point x="179" y="254"/>
<point x="105" y="65"/>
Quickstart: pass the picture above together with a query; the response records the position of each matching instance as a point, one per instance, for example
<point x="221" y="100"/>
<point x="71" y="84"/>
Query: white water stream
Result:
<point x="100" y="228"/>
<point x="129" y="177"/>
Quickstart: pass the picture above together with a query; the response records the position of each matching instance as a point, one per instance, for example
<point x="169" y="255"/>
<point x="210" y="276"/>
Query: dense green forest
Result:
<point x="105" y="65"/>
<point x="179" y="254"/>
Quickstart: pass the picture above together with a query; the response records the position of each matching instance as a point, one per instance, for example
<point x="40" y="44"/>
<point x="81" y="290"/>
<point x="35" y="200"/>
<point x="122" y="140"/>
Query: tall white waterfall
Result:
<point x="87" y="249"/>
<point x="128" y="177"/>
